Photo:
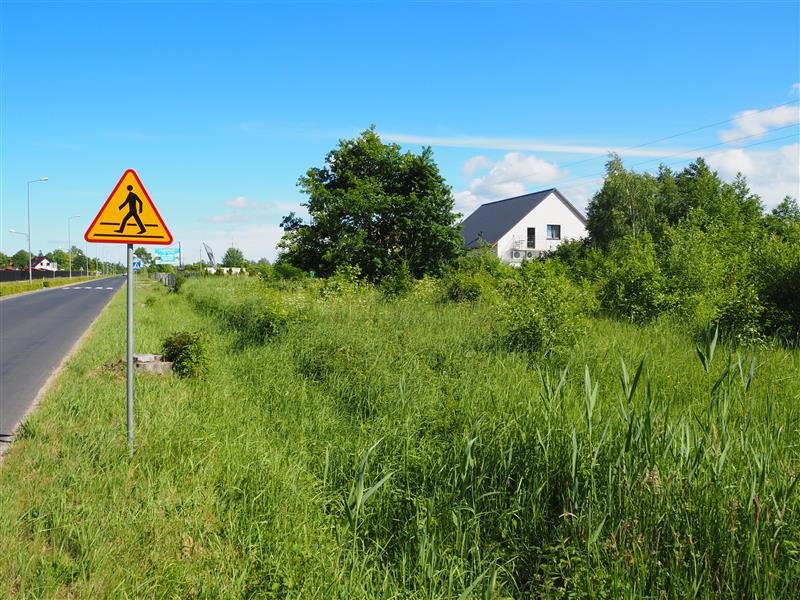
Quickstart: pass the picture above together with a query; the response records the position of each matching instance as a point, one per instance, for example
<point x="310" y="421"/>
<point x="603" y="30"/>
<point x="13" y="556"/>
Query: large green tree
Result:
<point x="233" y="258"/>
<point x="375" y="208"/>
<point x="631" y="204"/>
<point x="624" y="206"/>
<point x="60" y="257"/>
<point x="20" y="260"/>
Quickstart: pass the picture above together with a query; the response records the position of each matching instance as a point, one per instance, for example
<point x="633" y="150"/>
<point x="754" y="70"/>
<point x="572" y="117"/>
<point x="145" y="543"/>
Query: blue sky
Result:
<point x="220" y="107"/>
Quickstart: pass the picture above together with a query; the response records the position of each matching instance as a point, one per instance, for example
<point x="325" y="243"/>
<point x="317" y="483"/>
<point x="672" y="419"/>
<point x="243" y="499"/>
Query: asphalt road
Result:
<point x="36" y="331"/>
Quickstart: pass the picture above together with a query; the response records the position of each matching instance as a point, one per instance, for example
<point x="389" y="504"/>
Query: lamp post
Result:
<point x="30" y="270"/>
<point x="69" y="242"/>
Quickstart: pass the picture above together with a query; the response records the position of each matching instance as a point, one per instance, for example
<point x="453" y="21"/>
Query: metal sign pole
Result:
<point x="130" y="349"/>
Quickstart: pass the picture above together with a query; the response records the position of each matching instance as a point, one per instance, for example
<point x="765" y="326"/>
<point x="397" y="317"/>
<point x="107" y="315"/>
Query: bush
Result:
<point x="545" y="312"/>
<point x="262" y="270"/>
<point x="398" y="282"/>
<point x="257" y="319"/>
<point x="740" y="315"/>
<point x="179" y="281"/>
<point x="695" y="272"/>
<point x="476" y="274"/>
<point x="187" y="353"/>
<point x="633" y="287"/>
<point x="283" y="270"/>
<point x="463" y="287"/>
<point x="344" y="280"/>
<point x="776" y="268"/>
<point x="582" y="261"/>
<point x="483" y="260"/>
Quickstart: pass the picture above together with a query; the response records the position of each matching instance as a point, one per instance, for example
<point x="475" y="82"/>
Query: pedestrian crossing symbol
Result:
<point x="128" y="216"/>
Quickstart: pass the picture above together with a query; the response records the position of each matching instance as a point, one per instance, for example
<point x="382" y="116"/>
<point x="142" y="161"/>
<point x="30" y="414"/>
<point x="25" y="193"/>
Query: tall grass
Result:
<point x="369" y="447"/>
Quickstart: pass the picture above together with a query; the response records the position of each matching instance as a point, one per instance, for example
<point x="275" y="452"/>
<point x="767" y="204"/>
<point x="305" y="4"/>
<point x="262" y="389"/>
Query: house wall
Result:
<point x="551" y="211"/>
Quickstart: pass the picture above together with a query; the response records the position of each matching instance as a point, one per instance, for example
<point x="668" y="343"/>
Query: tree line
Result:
<point x="678" y="244"/>
<point x="78" y="260"/>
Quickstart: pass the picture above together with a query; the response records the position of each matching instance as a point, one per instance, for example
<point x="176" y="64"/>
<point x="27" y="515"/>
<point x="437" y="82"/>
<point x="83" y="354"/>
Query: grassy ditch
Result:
<point x="9" y="288"/>
<point x="348" y="445"/>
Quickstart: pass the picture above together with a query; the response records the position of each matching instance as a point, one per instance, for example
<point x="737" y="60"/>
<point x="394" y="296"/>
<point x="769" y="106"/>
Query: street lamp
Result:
<point x="69" y="242"/>
<point x="30" y="270"/>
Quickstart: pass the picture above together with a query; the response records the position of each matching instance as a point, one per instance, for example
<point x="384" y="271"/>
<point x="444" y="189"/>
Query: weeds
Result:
<point x="187" y="352"/>
<point x="600" y="474"/>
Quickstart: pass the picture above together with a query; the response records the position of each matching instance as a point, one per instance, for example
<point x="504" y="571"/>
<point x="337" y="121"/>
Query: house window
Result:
<point x="554" y="232"/>
<point x="531" y="237"/>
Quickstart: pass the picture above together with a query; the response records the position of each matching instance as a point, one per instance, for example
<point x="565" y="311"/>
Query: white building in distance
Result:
<point x="524" y="226"/>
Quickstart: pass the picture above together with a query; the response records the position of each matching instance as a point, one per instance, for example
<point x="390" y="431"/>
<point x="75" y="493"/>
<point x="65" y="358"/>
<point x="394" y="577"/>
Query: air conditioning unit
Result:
<point x="529" y="254"/>
<point x="516" y="254"/>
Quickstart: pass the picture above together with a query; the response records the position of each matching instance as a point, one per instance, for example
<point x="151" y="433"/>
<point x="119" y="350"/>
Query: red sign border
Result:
<point x="133" y="240"/>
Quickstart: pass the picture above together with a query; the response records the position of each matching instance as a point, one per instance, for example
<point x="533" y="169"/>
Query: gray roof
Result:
<point x="494" y="219"/>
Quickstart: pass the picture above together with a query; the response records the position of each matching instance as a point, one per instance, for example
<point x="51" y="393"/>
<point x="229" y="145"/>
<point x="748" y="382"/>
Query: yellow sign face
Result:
<point x="128" y="216"/>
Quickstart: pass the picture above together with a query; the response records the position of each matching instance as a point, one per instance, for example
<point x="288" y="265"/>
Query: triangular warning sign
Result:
<point x="128" y="216"/>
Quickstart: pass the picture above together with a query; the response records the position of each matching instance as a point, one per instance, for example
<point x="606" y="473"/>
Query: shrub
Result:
<point x="262" y="270"/>
<point x="633" y="288"/>
<point x="776" y="272"/>
<point x="740" y="314"/>
<point x="344" y="280"/>
<point x="463" y="287"/>
<point x="257" y="318"/>
<point x="483" y="260"/>
<point x="283" y="270"/>
<point x="477" y="274"/>
<point x="544" y="311"/>
<point x="398" y="282"/>
<point x="694" y="271"/>
<point x="186" y="350"/>
<point x="582" y="261"/>
<point x="179" y="281"/>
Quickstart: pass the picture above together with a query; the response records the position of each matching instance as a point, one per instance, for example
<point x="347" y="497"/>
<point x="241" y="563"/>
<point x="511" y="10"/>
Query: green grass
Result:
<point x="9" y="288"/>
<point x="350" y="446"/>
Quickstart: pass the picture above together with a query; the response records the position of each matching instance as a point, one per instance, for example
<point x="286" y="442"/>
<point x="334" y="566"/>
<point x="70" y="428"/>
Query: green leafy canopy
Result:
<point x="375" y="208"/>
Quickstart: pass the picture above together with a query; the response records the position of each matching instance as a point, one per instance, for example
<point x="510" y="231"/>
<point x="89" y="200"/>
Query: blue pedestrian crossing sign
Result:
<point x="137" y="264"/>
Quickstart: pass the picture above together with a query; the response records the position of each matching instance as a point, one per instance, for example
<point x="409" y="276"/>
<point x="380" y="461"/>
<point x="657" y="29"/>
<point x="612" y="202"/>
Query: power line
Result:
<point x="600" y="176"/>
<point x="745" y="137"/>
<point x="675" y="135"/>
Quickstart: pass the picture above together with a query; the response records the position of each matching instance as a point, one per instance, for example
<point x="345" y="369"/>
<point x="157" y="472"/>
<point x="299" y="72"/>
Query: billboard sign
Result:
<point x="167" y="256"/>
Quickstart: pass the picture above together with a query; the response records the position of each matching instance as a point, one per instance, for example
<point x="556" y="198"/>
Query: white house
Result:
<point x="524" y="226"/>
<point x="42" y="263"/>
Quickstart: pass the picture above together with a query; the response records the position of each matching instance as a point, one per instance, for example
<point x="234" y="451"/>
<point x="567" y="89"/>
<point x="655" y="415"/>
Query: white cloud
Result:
<point x="523" y="145"/>
<point x="476" y="163"/>
<point x="242" y="202"/>
<point x="756" y="123"/>
<point x="229" y="217"/>
<point x="508" y="177"/>
<point x="770" y="173"/>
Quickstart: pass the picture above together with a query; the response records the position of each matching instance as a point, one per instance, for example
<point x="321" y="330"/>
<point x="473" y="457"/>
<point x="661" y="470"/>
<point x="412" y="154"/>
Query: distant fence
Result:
<point x="168" y="279"/>
<point x="23" y="275"/>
